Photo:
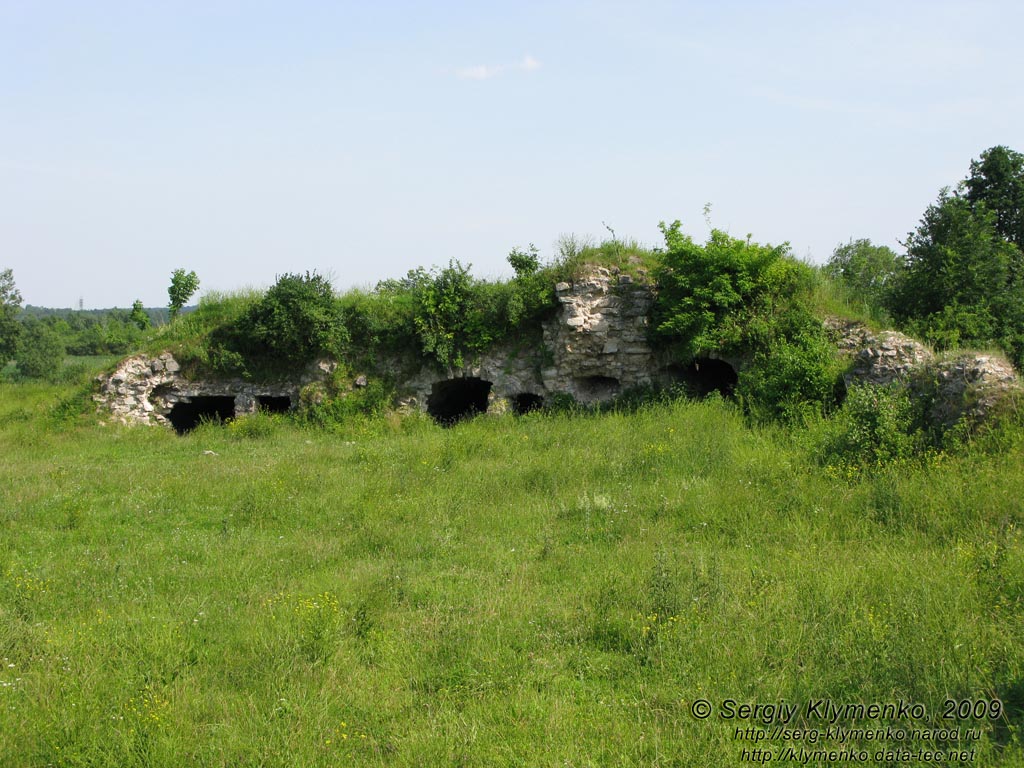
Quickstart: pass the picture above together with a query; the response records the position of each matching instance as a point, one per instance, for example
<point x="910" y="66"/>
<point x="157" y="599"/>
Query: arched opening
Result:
<point x="596" y="388"/>
<point x="525" y="402"/>
<point x="455" y="399"/>
<point x="705" y="375"/>
<point x="273" y="403"/>
<point x="186" y="416"/>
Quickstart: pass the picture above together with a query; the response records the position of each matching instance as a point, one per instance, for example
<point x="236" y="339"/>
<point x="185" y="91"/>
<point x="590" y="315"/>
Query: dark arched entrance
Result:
<point x="705" y="375"/>
<point x="525" y="402"/>
<point x="455" y="399"/>
<point x="273" y="403"/>
<point x="186" y="416"/>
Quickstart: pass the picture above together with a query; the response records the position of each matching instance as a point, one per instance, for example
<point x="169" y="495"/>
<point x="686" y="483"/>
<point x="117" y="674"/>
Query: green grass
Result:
<point x="545" y="590"/>
<point x="578" y="257"/>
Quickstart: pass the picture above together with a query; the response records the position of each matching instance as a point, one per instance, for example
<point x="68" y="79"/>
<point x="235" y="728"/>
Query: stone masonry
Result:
<point x="593" y="348"/>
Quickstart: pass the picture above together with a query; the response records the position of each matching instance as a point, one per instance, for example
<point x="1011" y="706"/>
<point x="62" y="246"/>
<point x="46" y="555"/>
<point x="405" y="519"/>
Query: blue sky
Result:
<point x="361" y="140"/>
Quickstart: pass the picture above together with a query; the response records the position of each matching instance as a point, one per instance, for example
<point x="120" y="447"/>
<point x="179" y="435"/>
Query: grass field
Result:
<point x="546" y="590"/>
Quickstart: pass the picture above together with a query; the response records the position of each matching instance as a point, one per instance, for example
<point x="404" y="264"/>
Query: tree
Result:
<point x="525" y="263"/>
<point x="963" y="283"/>
<point x="139" y="316"/>
<point x="868" y="271"/>
<point x="10" y="307"/>
<point x="443" y="315"/>
<point x="40" y="351"/>
<point x="183" y="286"/>
<point x="963" y="280"/>
<point x="997" y="181"/>
<point x="296" y="320"/>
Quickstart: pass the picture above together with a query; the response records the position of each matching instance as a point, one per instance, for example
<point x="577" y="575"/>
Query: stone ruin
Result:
<point x="145" y="390"/>
<point x="960" y="386"/>
<point x="593" y="349"/>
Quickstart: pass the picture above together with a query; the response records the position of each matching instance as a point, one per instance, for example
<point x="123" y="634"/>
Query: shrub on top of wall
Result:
<point x="297" y="320"/>
<point x="737" y="297"/>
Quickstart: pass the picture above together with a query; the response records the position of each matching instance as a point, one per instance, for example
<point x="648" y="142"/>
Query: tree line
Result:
<point x="38" y="339"/>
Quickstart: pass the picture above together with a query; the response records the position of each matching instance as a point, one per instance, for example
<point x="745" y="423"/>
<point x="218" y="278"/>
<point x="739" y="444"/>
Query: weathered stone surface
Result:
<point x="143" y="390"/>
<point x="594" y="348"/>
<point x="971" y="387"/>
<point x="583" y="350"/>
<point x="888" y="357"/>
<point x="596" y="336"/>
<point x="964" y="386"/>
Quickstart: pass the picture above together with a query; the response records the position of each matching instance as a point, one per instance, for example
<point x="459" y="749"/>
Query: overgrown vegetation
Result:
<point x="732" y="297"/>
<point x="444" y="316"/>
<point x="867" y="274"/>
<point x="728" y="298"/>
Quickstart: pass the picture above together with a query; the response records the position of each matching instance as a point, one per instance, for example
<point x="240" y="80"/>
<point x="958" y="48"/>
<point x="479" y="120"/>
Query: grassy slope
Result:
<point x="543" y="591"/>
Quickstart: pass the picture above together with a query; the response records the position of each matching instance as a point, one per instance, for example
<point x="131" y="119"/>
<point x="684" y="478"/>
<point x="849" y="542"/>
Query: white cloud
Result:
<point x="529" y="64"/>
<point x="479" y="72"/>
<point x="487" y="71"/>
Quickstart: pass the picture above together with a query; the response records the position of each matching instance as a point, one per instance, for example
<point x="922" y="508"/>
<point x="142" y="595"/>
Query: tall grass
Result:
<point x="546" y="590"/>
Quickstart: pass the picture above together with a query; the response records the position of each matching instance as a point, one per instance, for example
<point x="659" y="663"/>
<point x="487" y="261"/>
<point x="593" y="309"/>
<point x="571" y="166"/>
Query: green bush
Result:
<point x="723" y="296"/>
<point x="254" y="426"/>
<point x="875" y="427"/>
<point x="379" y="320"/>
<point x="451" y="315"/>
<point x="790" y="378"/>
<point x="40" y="352"/>
<point x="338" y="403"/>
<point x="297" y="320"/>
<point x="736" y="297"/>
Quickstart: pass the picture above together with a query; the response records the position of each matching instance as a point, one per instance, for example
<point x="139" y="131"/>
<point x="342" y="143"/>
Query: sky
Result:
<point x="247" y="139"/>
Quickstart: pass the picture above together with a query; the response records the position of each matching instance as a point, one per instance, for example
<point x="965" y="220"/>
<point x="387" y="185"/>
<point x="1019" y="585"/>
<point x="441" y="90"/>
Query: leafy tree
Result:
<point x="531" y="292"/>
<point x="997" y="181"/>
<point x="10" y="306"/>
<point x="733" y="296"/>
<point x="183" y="286"/>
<point x="963" y="280"/>
<point x="442" y="319"/>
<point x="868" y="271"/>
<point x="40" y="351"/>
<point x="139" y="316"/>
<point x="524" y="263"/>
<point x="297" y="319"/>
<point x="723" y="296"/>
<point x="963" y="283"/>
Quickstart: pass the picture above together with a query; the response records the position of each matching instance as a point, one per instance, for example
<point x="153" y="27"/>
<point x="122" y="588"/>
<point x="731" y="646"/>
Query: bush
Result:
<point x="735" y="297"/>
<point x="453" y="316"/>
<point x="724" y="296"/>
<point x="875" y="427"/>
<point x="297" y="320"/>
<point x="338" y="402"/>
<point x="254" y="426"/>
<point x="40" y="351"/>
<point x="790" y="379"/>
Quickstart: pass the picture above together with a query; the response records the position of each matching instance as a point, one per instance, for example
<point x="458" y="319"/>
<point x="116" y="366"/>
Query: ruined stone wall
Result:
<point x="594" y="348"/>
<point x="144" y="390"/>
<point x="963" y="385"/>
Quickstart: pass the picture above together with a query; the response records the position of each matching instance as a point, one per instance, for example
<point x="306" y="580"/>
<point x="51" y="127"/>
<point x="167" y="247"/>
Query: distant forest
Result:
<point x="95" y="331"/>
